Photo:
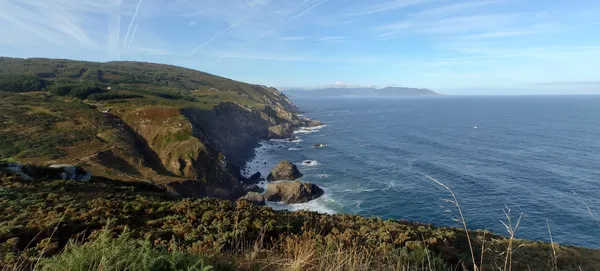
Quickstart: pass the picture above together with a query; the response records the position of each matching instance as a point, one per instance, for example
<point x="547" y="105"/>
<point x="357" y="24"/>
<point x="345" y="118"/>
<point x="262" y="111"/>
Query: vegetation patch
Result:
<point x="43" y="218"/>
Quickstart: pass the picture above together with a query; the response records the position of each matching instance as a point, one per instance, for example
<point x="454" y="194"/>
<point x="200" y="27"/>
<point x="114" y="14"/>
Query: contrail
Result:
<point x="267" y="32"/>
<point x="137" y="9"/>
<point x="132" y="35"/>
<point x="213" y="38"/>
<point x="304" y="12"/>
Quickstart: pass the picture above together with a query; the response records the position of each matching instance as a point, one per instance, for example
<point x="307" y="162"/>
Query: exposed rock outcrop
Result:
<point x="253" y="188"/>
<point x="53" y="172"/>
<point x="285" y="170"/>
<point x="254" y="198"/>
<point x="292" y="192"/>
<point x="254" y="179"/>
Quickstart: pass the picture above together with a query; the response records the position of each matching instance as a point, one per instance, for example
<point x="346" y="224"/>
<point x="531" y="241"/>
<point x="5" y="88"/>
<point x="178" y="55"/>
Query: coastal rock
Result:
<point x="254" y="198"/>
<point x="253" y="188"/>
<point x="318" y="146"/>
<point x="292" y="192"/>
<point x="312" y="123"/>
<point x="309" y="163"/>
<point x="285" y="170"/>
<point x="53" y="172"/>
<point x="255" y="178"/>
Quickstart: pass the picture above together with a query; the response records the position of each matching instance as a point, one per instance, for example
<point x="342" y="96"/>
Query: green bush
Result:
<point x="122" y="253"/>
<point x="21" y="83"/>
<point x="112" y="96"/>
<point x="75" y="89"/>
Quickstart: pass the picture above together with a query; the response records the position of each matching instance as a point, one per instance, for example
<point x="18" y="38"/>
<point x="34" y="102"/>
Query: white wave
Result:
<point x="318" y="205"/>
<point x="262" y="161"/>
<point x="297" y="141"/>
<point x="294" y="149"/>
<point x="323" y="176"/>
<point x="310" y="163"/>
<point x="361" y="190"/>
<point x="309" y="130"/>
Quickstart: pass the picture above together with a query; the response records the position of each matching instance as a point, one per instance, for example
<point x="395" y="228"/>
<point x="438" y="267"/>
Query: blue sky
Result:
<point x="453" y="46"/>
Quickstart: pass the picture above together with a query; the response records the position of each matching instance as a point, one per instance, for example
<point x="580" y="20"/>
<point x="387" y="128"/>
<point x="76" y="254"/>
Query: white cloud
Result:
<point x="192" y="23"/>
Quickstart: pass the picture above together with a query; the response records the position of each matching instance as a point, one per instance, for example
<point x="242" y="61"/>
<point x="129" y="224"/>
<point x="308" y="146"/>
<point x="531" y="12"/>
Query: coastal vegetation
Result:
<point x="81" y="225"/>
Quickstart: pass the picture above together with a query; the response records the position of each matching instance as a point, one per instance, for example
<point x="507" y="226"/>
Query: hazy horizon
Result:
<point x="453" y="47"/>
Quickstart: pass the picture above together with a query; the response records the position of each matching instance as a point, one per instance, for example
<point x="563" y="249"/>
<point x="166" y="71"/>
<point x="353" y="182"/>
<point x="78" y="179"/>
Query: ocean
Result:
<point x="535" y="155"/>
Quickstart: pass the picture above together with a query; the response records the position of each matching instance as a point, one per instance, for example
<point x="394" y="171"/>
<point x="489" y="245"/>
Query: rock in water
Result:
<point x="253" y="188"/>
<point x="254" y="198"/>
<point x="255" y="178"/>
<point x="292" y="192"/>
<point x="317" y="146"/>
<point x="285" y="170"/>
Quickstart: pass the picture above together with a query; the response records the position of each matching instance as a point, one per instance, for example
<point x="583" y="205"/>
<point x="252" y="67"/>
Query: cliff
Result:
<point x="182" y="129"/>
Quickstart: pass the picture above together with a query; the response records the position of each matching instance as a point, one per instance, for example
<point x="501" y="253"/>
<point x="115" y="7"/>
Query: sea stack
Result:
<point x="293" y="192"/>
<point x="284" y="171"/>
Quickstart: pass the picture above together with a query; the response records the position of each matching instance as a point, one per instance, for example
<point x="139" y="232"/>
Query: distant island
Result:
<point x="361" y="92"/>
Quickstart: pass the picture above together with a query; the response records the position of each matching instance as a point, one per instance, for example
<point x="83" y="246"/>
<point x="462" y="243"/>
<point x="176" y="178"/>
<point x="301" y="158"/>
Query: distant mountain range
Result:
<point x="362" y="92"/>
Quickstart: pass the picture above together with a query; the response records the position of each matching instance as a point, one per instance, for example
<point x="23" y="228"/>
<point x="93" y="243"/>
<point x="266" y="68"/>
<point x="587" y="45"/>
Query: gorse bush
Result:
<point x="121" y="253"/>
<point x="112" y="96"/>
<point x="21" y="83"/>
<point x="75" y="89"/>
<point x="241" y="236"/>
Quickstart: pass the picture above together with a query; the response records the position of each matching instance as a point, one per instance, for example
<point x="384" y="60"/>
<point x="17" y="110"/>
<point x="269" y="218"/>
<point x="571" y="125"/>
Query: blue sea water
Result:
<point x="537" y="155"/>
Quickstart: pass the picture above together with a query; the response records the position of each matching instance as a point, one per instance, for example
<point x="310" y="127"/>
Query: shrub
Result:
<point x="112" y="96"/>
<point x="21" y="83"/>
<point x="75" y="89"/>
<point x="122" y="253"/>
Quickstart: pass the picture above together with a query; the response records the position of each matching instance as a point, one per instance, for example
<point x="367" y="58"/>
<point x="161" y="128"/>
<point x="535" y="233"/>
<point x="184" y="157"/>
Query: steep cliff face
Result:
<point x="179" y="128"/>
<point x="235" y="130"/>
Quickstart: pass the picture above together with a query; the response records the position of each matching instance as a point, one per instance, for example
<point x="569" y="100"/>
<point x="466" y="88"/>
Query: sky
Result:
<point x="451" y="46"/>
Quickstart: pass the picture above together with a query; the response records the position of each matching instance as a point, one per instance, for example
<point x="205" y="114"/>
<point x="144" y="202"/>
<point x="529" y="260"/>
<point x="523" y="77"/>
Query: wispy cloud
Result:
<point x="370" y="8"/>
<point x="295" y="38"/>
<point x="330" y="39"/>
<point x="569" y="83"/>
<point x="273" y="30"/>
<point x="451" y="41"/>
<point x="298" y="58"/>
<point x="153" y="51"/>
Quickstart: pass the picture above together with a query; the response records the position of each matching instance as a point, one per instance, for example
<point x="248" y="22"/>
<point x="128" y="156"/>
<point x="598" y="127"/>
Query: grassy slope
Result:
<point x="53" y="115"/>
<point x="243" y="234"/>
<point x="37" y="123"/>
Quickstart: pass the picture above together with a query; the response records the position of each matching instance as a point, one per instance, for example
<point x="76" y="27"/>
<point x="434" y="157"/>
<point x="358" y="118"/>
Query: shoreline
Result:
<point x="263" y="162"/>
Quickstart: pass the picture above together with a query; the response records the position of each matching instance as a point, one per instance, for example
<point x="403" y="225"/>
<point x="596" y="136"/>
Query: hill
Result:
<point x="362" y="92"/>
<point x="181" y="128"/>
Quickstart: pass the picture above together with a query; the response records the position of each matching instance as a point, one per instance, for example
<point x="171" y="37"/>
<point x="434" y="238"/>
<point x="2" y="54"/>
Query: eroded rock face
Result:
<point x="254" y="197"/>
<point x="292" y="192"/>
<point x="285" y="170"/>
